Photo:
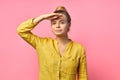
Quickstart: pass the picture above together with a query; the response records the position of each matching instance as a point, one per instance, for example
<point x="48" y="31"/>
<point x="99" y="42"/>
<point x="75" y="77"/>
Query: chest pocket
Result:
<point x="70" y="66"/>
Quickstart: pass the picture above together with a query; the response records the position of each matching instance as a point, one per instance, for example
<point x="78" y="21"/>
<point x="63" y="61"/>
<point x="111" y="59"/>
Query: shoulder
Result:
<point x="78" y="45"/>
<point x="45" y="40"/>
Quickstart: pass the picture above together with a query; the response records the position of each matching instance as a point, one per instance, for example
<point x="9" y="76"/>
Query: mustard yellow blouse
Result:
<point x="52" y="65"/>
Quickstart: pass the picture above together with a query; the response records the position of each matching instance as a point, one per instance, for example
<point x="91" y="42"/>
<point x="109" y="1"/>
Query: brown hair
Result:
<point x="62" y="10"/>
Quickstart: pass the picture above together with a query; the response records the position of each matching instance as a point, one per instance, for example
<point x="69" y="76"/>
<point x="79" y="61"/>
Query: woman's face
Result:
<point x="60" y="26"/>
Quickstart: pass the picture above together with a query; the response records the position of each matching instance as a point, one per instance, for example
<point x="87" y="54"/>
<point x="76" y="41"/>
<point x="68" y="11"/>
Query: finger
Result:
<point x="54" y="17"/>
<point x="56" y="14"/>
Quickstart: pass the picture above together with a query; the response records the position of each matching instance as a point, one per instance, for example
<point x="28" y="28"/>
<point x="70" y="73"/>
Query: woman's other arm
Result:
<point x="82" y="69"/>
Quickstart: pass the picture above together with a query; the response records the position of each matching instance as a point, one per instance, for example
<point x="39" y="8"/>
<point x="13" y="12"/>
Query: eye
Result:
<point x="62" y="22"/>
<point x="53" y="23"/>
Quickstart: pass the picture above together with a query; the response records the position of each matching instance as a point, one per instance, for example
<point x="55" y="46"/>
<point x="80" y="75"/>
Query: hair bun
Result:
<point x="61" y="8"/>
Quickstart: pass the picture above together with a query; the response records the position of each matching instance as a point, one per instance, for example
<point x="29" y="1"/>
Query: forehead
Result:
<point x="61" y="18"/>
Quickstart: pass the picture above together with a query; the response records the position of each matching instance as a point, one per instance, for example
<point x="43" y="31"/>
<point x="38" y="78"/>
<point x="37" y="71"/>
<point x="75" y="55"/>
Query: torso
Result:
<point x="62" y="48"/>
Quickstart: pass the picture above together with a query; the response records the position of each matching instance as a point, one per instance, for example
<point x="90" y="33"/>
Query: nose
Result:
<point x="58" y="25"/>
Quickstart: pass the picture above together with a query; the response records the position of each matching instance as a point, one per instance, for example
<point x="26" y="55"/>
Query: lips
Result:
<point x="58" y="30"/>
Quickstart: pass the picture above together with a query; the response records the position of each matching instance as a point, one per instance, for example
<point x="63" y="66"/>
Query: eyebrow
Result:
<point x="56" y="20"/>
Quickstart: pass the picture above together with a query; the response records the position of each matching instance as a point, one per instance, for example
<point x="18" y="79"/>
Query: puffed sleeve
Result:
<point x="82" y="69"/>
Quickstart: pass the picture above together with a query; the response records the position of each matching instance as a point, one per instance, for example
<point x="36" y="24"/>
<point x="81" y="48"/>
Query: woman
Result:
<point x="59" y="58"/>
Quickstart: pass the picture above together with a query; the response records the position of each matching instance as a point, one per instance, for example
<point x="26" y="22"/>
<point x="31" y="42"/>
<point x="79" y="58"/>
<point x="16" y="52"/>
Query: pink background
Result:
<point x="95" y="24"/>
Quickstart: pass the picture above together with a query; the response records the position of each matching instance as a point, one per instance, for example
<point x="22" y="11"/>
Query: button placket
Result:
<point x="58" y="69"/>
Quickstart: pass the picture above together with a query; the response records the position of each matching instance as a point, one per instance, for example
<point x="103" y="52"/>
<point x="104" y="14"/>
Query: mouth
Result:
<point x="58" y="30"/>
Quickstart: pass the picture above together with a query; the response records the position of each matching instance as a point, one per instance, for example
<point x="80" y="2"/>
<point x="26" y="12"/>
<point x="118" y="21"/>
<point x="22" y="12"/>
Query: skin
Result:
<point x="60" y="28"/>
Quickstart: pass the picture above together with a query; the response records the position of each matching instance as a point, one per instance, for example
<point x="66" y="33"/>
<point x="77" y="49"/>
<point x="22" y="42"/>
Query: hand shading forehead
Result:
<point x="60" y="18"/>
<point x="63" y="17"/>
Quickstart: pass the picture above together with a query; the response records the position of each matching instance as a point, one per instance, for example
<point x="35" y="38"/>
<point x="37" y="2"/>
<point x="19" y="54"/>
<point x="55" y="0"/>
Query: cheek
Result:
<point x="66" y="29"/>
<point x="53" y="27"/>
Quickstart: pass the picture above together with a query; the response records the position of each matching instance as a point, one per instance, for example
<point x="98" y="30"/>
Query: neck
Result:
<point x="62" y="39"/>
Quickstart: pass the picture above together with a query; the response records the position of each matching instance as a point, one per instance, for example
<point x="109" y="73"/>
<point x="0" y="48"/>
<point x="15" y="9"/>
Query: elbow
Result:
<point x="18" y="30"/>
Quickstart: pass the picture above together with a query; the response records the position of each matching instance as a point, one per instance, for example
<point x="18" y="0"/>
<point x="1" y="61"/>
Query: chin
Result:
<point x="58" y="34"/>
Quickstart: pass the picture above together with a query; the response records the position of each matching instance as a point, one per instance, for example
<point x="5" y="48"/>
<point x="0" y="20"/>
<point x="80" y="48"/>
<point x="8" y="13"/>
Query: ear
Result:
<point x="69" y="27"/>
<point x="69" y="24"/>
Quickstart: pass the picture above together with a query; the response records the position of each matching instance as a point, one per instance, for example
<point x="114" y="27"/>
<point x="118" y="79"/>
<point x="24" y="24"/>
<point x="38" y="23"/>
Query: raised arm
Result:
<point x="24" y="29"/>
